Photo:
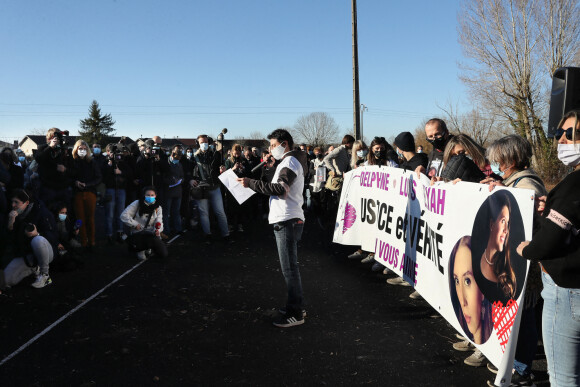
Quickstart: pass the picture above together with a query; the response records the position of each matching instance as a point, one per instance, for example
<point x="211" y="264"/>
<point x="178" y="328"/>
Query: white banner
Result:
<point x="456" y="244"/>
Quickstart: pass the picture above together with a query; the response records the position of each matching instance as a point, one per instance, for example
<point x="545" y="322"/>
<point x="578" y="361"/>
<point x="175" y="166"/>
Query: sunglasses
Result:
<point x="569" y="132"/>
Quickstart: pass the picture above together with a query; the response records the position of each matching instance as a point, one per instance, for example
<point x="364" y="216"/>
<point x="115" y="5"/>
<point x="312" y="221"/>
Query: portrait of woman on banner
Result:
<point x="497" y="231"/>
<point x="472" y="309"/>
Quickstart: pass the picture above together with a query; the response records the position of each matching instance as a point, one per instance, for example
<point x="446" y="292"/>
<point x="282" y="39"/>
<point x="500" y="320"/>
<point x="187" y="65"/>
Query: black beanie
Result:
<point x="405" y="142"/>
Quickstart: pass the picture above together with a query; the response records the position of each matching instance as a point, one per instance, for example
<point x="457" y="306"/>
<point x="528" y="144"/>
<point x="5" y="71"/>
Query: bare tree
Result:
<point x="482" y="127"/>
<point x="257" y="135"/>
<point x="318" y="129"/>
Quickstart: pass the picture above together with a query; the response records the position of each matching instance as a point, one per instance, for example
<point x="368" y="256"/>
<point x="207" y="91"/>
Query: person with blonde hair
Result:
<point x="359" y="154"/>
<point x="86" y="176"/>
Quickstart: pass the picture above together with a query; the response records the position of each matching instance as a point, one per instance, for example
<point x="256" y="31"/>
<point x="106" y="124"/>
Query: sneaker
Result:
<point x="477" y="359"/>
<point x="164" y="236"/>
<point x="377" y="267"/>
<point x="492" y="368"/>
<point x="141" y="255"/>
<point x="282" y="311"/>
<point x="41" y="281"/>
<point x="460" y="336"/>
<point x="386" y="271"/>
<point x="519" y="380"/>
<point x="370" y="258"/>
<point x="359" y="254"/>
<point x="240" y="228"/>
<point x="288" y="321"/>
<point x="464" y="346"/>
<point x="415" y="295"/>
<point x="398" y="281"/>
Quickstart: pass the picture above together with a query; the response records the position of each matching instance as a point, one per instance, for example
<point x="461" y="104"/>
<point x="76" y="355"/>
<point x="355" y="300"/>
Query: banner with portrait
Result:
<point x="455" y="243"/>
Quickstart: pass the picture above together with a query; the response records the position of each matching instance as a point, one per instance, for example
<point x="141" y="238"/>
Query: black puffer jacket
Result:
<point x="415" y="161"/>
<point x="35" y="213"/>
<point x="462" y="167"/>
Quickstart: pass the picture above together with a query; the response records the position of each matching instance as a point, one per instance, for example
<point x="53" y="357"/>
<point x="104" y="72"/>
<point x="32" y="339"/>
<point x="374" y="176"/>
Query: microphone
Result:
<point x="157" y="225"/>
<point x="220" y="137"/>
<point x="78" y="224"/>
<point x="259" y="166"/>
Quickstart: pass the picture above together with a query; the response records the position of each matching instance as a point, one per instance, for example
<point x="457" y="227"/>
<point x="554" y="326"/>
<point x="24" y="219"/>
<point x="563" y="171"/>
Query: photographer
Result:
<point x="86" y="175"/>
<point x="33" y="240"/>
<point x="117" y="174"/>
<point x="53" y="167"/>
<point x="206" y="188"/>
<point x="145" y="219"/>
<point x="151" y="167"/>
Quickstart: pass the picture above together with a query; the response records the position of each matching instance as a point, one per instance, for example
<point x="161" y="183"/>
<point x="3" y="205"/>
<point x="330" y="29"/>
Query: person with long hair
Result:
<point x="86" y="176"/>
<point x="556" y="244"/>
<point x="495" y="262"/>
<point x="359" y="153"/>
<point x="381" y="153"/>
<point x="472" y="309"/>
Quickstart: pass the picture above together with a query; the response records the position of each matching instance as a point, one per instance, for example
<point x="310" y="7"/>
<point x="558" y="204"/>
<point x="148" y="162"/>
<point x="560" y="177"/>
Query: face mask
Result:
<point x="149" y="199"/>
<point x="82" y="153"/>
<point x="278" y="152"/>
<point x="569" y="154"/>
<point x="19" y="210"/>
<point x="62" y="217"/>
<point x="379" y="154"/>
<point x="438" y="143"/>
<point x="495" y="169"/>
<point x="399" y="153"/>
<point x="212" y="147"/>
<point x="420" y="151"/>
<point x="97" y="151"/>
<point x="362" y="153"/>
<point x="320" y="156"/>
<point x="167" y="153"/>
<point x="204" y="146"/>
<point x="21" y="159"/>
<point x="189" y="154"/>
<point x="175" y="161"/>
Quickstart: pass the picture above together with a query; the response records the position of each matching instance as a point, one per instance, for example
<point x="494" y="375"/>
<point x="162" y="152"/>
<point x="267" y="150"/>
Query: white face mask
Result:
<point x="569" y="154"/>
<point x="278" y="152"/>
<point x="204" y="146"/>
<point x="82" y="153"/>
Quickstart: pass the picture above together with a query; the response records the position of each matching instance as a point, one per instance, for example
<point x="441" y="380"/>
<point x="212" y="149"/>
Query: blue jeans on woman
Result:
<point x="113" y="209"/>
<point x="561" y="331"/>
<point x="288" y="234"/>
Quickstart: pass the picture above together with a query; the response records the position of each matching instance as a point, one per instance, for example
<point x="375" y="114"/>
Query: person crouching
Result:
<point x="144" y="218"/>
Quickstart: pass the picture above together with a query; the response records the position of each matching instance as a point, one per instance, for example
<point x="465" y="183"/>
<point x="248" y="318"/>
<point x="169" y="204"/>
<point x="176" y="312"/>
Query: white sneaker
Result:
<point x="398" y="281"/>
<point x="357" y="255"/>
<point x="477" y="359"/>
<point x="415" y="295"/>
<point x="370" y="258"/>
<point x="464" y="346"/>
<point x="386" y="271"/>
<point x="141" y="255"/>
<point x="41" y="281"/>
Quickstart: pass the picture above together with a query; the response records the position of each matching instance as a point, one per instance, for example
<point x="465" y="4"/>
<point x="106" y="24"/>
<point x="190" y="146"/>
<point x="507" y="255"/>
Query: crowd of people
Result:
<point x="152" y="193"/>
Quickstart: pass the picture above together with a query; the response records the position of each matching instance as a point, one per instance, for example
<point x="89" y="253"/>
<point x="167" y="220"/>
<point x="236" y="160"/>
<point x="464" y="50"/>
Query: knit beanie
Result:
<point x="405" y="142"/>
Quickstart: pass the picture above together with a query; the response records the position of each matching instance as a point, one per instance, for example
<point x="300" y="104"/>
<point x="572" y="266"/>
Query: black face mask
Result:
<point x="438" y="143"/>
<point x="379" y="154"/>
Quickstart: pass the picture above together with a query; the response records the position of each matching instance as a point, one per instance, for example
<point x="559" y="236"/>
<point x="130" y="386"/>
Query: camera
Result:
<point x="62" y="136"/>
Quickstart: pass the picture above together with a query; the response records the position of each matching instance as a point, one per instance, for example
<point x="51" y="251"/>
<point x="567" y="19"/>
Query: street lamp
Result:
<point x="363" y="107"/>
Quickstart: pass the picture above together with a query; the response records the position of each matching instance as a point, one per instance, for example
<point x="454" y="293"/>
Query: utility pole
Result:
<point x="355" y="91"/>
<point x="363" y="108"/>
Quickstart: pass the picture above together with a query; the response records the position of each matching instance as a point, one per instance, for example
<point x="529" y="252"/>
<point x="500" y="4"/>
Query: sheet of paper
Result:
<point x="229" y="179"/>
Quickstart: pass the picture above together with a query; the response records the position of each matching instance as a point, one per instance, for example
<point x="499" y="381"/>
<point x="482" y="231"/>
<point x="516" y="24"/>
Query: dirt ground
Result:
<point x="203" y="317"/>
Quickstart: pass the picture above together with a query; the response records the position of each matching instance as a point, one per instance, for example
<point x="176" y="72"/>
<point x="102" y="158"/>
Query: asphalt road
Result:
<point x="203" y="317"/>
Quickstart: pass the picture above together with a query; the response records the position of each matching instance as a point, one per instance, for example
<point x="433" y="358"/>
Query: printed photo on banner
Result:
<point x="497" y="231"/>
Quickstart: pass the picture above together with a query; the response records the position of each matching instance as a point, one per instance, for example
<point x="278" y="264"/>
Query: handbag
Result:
<point x="334" y="183"/>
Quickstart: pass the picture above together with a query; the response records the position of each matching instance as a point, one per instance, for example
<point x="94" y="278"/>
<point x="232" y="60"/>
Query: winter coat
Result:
<point x="462" y="167"/>
<point x="130" y="217"/>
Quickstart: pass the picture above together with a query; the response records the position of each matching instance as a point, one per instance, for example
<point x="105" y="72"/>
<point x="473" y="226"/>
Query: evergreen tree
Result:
<point x="96" y="128"/>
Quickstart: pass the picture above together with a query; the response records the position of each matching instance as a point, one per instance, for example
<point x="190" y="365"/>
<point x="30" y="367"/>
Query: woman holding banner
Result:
<point x="472" y="309"/>
<point x="556" y="244"/>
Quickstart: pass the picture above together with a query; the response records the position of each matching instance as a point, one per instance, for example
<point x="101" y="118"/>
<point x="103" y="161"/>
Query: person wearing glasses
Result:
<point x="438" y="135"/>
<point x="556" y="244"/>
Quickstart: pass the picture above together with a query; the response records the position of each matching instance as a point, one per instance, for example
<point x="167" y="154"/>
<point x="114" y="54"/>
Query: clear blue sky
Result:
<point x="180" y="68"/>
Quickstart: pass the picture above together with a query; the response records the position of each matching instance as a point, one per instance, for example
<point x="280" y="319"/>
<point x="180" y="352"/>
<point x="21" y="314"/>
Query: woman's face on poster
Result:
<point x="500" y="229"/>
<point x="467" y="290"/>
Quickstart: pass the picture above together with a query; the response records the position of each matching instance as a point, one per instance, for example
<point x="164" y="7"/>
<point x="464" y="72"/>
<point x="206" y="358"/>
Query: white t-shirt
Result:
<point x="288" y="206"/>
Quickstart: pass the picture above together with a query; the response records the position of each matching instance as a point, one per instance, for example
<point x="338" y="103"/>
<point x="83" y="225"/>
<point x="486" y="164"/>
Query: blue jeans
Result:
<point x="172" y="214"/>
<point x="288" y="234"/>
<point x="217" y="206"/>
<point x="113" y="209"/>
<point x="561" y="330"/>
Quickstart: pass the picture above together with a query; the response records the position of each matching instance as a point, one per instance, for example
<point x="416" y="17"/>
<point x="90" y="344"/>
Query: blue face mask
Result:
<point x="97" y="151"/>
<point x="149" y="199"/>
<point x="399" y="153"/>
<point x="362" y="153"/>
<point x="495" y="169"/>
<point x="62" y="217"/>
<point x="21" y="159"/>
<point x="175" y="161"/>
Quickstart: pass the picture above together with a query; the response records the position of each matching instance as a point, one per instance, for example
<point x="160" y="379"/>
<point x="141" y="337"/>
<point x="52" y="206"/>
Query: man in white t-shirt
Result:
<point x="287" y="217"/>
